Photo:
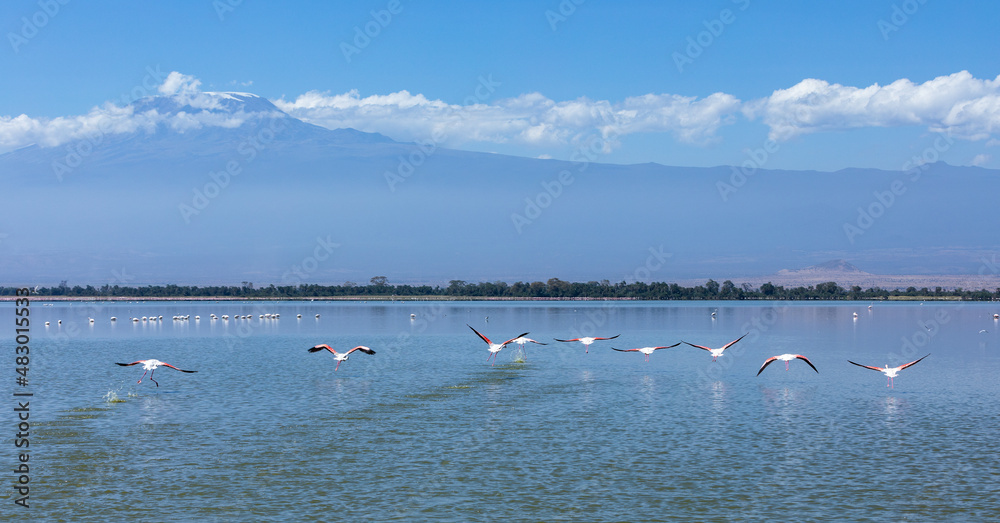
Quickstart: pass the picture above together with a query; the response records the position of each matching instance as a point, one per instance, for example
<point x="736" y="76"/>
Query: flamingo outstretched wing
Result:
<point x="730" y="344"/>
<point x="484" y="338"/>
<point x="880" y="369"/>
<point x="702" y="347"/>
<point x="905" y="365"/>
<point x="805" y="359"/>
<point x="363" y="349"/>
<point x="766" y="363"/>
<point x="175" y="368"/>
<point x="323" y="346"/>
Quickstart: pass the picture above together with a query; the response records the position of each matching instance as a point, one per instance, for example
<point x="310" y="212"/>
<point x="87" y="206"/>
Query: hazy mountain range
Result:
<point x="847" y="275"/>
<point x="230" y="189"/>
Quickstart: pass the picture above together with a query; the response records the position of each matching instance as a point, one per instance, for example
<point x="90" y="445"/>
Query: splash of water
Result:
<point x="112" y="397"/>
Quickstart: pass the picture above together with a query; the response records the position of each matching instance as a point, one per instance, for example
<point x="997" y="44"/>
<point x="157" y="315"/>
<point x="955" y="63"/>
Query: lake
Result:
<point x="426" y="429"/>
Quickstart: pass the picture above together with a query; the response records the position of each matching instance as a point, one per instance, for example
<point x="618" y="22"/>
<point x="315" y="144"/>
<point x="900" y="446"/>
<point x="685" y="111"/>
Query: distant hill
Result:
<point x="846" y="275"/>
<point x="832" y="267"/>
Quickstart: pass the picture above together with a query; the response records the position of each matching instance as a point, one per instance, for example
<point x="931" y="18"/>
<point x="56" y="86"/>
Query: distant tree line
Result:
<point x="554" y="288"/>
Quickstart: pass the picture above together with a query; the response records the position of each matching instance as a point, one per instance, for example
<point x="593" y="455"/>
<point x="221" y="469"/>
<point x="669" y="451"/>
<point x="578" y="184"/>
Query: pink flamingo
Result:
<point x="522" y="340"/>
<point x="891" y="372"/>
<point x="646" y="351"/>
<point x="150" y="367"/>
<point x="495" y="348"/>
<point x="785" y="358"/>
<point x="586" y="341"/>
<point x="341" y="356"/>
<point x="717" y="352"/>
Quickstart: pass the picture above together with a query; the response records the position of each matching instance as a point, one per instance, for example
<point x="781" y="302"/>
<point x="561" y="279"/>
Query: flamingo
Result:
<point x="586" y="341"/>
<point x="891" y="372"/>
<point x="495" y="348"/>
<point x="717" y="352"/>
<point x="521" y="340"/>
<point x="646" y="351"/>
<point x="341" y="356"/>
<point x="786" y="358"/>
<point x="150" y="367"/>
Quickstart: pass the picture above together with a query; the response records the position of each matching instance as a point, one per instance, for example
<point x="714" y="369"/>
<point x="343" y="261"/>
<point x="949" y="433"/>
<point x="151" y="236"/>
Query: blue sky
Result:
<point x="834" y="84"/>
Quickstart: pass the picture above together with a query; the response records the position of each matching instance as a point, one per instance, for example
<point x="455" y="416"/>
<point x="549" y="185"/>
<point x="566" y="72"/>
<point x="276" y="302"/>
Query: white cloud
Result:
<point x="959" y="104"/>
<point x="528" y="119"/>
<point x="981" y="159"/>
<point x="107" y="119"/>
<point x="177" y="83"/>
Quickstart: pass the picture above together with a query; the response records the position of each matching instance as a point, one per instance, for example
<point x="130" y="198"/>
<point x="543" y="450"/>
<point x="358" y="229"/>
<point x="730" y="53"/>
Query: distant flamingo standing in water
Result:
<point x="150" y="366"/>
<point x="588" y="340"/>
<point x="340" y="356"/>
<point x="646" y="351"/>
<point x="717" y="352"/>
<point x="494" y="348"/>
<point x="891" y="372"/>
<point x="785" y="358"/>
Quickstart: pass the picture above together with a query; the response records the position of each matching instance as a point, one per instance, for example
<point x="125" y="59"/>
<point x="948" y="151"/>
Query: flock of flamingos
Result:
<point x="151" y="365"/>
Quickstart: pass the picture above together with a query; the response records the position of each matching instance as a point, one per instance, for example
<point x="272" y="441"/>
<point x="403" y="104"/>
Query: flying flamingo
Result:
<point x="717" y="352"/>
<point x="495" y="348"/>
<point x="341" y="356"/>
<point x="521" y="340"/>
<point x="786" y="358"/>
<point x="150" y="367"/>
<point x="586" y="341"/>
<point x="891" y="372"/>
<point x="646" y="351"/>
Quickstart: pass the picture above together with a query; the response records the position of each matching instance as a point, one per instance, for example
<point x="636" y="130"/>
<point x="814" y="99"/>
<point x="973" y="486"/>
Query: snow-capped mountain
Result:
<point x="196" y="125"/>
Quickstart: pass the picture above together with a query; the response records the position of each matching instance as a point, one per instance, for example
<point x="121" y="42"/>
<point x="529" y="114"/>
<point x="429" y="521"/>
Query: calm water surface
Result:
<point x="427" y="430"/>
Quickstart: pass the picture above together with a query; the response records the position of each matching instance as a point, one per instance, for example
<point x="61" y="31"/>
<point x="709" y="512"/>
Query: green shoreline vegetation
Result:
<point x="553" y="289"/>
